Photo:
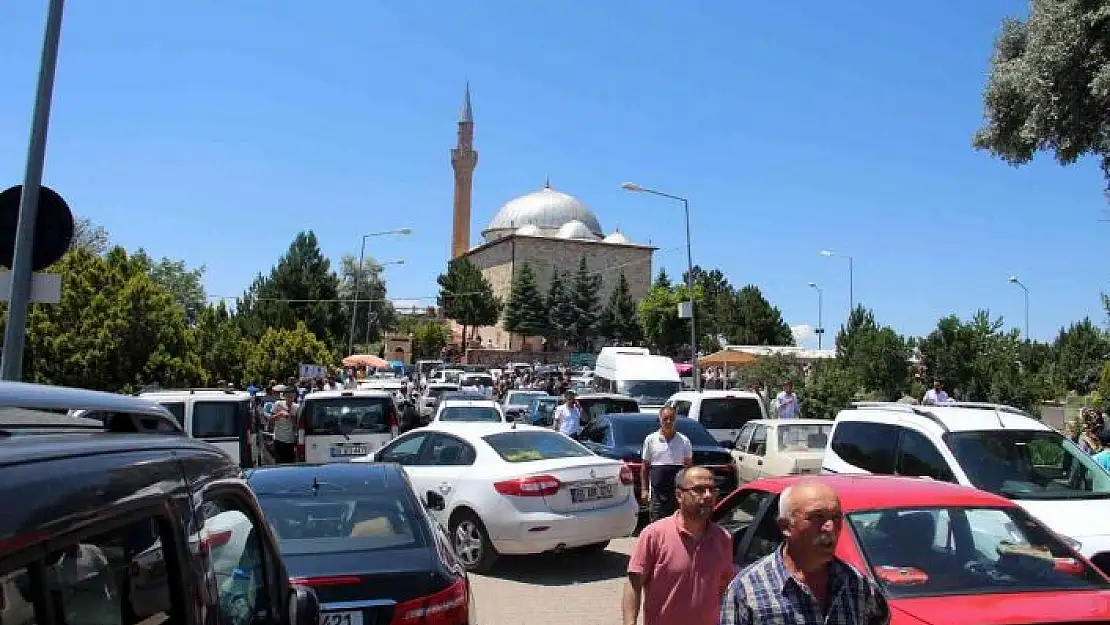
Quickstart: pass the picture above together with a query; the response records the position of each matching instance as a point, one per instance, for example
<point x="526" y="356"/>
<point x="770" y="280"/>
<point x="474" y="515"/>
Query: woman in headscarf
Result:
<point x="1091" y="427"/>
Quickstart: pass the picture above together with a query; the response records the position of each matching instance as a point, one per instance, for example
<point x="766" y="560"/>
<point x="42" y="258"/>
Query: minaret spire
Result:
<point x="464" y="158"/>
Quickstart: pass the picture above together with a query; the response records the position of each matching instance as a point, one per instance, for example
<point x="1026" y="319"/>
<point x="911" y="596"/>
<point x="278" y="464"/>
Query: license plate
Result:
<point x="341" y="451"/>
<point x="341" y="618"/>
<point x="583" y="494"/>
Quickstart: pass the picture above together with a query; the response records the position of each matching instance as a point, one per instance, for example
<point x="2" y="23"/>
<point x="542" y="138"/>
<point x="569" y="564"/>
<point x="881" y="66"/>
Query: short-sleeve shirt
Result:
<point x="665" y="458"/>
<point x="684" y="577"/>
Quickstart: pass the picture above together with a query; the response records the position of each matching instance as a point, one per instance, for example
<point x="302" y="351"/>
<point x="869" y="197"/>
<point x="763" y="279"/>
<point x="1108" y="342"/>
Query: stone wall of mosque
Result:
<point x="497" y="261"/>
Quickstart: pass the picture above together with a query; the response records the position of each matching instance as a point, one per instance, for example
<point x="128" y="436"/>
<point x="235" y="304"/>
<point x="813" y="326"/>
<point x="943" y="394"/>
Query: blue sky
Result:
<point x="214" y="131"/>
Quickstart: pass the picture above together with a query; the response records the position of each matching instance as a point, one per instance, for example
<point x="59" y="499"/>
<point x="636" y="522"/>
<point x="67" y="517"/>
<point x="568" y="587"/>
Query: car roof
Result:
<point x="284" y="478"/>
<point x="362" y="392"/>
<point x="206" y="393"/>
<point x="45" y="397"/>
<point x="715" y="394"/>
<point x="474" y="430"/>
<point x="866" y="492"/>
<point x="604" y="396"/>
<point x="632" y="417"/>
<point x="44" y="447"/>
<point x="957" y="417"/>
<point x="459" y="401"/>
<point x="529" y="391"/>
<point x="774" y="422"/>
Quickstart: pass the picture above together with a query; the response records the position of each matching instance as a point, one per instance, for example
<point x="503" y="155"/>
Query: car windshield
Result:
<point x="728" y="413"/>
<point x="950" y="551"/>
<point x="470" y="414"/>
<point x="334" y="522"/>
<point x="1028" y="464"/>
<point x="436" y="391"/>
<point x="594" y="407"/>
<point x="524" y="398"/>
<point x="529" y="446"/>
<point x="634" y="432"/>
<point x="340" y="416"/>
<point x="649" y="392"/>
<point x="476" y="380"/>
<point x="803" y="437"/>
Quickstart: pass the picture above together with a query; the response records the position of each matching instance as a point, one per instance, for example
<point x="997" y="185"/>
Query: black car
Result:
<point x="357" y="534"/>
<point x="123" y="519"/>
<point x="621" y="437"/>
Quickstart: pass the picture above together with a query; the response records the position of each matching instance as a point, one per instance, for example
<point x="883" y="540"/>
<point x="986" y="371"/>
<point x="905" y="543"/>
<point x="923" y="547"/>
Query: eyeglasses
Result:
<point x="700" y="489"/>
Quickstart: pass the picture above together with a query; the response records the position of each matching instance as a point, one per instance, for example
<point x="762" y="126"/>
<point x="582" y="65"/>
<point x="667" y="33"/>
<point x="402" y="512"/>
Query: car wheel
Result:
<point x="471" y="543"/>
<point x="595" y="547"/>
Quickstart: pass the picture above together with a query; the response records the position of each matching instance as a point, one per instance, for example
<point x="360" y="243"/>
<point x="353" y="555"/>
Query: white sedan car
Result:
<point x="469" y="411"/>
<point x="502" y="488"/>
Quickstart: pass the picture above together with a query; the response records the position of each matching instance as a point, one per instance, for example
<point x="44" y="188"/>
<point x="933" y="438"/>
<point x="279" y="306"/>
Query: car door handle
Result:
<point x="444" y="488"/>
<point x="759" y="462"/>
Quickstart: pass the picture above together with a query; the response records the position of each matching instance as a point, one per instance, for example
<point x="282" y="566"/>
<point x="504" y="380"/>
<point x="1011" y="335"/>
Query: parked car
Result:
<point x="541" y="412"/>
<point x="723" y="413"/>
<point x="361" y="538"/>
<point x="766" y="447"/>
<point x="621" y="437"/>
<point x="335" y="426"/>
<point x="516" y="402"/>
<point x="997" y="448"/>
<point x="469" y="411"/>
<point x="124" y="519"/>
<point x="596" y="404"/>
<point x="430" y="396"/>
<point x="506" y="488"/>
<point x="942" y="553"/>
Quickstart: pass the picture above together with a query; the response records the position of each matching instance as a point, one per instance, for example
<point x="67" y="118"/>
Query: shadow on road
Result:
<point x="563" y="569"/>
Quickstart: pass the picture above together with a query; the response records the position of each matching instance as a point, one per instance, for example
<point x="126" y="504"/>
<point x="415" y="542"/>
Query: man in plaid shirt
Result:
<point x="803" y="582"/>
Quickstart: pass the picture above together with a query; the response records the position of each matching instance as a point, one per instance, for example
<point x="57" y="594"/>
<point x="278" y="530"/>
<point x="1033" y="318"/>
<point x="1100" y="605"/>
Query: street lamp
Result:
<point x="635" y="188"/>
<point x="1014" y="280"/>
<point x="370" y="316"/>
<point x="851" y="278"/>
<point x="361" y="256"/>
<point x="820" y="331"/>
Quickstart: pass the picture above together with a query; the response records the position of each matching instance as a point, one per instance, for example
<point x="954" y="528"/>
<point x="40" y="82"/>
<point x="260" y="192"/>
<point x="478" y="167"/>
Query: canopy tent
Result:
<point x="726" y="358"/>
<point x="365" y="360"/>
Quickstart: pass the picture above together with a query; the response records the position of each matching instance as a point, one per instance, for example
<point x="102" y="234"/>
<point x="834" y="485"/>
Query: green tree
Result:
<point x="754" y="321"/>
<point x="658" y="316"/>
<point x="300" y="288"/>
<point x="560" y="308"/>
<point x="428" y="340"/>
<point x="1049" y="85"/>
<point x="467" y="297"/>
<point x="114" y="329"/>
<point x="618" y="319"/>
<point x="184" y="284"/>
<point x="719" y="297"/>
<point x="1081" y="351"/>
<point x="876" y="355"/>
<point x="89" y="237"/>
<point x="831" y="387"/>
<point x="526" y="312"/>
<point x="584" y="297"/>
<point x="280" y="352"/>
<point x="220" y="345"/>
<point x="375" y="313"/>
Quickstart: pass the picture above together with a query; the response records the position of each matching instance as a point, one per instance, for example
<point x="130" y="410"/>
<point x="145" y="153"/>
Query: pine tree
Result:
<point x="618" y="321"/>
<point x="560" y="308"/>
<point x="584" y="301"/>
<point x="467" y="297"/>
<point x="526" y="312"/>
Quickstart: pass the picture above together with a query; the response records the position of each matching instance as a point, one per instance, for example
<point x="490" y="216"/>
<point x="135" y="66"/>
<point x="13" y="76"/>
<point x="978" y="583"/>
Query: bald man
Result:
<point x="803" y="581"/>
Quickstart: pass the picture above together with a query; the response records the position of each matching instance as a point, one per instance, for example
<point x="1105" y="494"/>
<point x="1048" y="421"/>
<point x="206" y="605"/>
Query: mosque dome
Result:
<point x="531" y="230"/>
<point x="575" y="229"/>
<point x="617" y="237"/>
<point x="547" y="209"/>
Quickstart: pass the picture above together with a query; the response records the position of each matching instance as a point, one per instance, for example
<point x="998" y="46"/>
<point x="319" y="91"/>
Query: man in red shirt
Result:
<point x="682" y="563"/>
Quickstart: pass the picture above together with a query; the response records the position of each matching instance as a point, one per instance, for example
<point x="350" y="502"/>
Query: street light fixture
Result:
<point x="851" y="278"/>
<point x="1014" y="280"/>
<point x="361" y="258"/>
<point x="635" y="188"/>
<point x="820" y="331"/>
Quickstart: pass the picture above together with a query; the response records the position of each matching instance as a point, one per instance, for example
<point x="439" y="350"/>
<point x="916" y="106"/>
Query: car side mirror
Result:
<point x="304" y="607"/>
<point x="434" y="501"/>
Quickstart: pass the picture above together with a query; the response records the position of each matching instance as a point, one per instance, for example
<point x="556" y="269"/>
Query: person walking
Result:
<point x="786" y="403"/>
<point x="665" y="452"/>
<point x="681" y="564"/>
<point x="803" y="581"/>
<point x="284" y="423"/>
<point x="568" y="416"/>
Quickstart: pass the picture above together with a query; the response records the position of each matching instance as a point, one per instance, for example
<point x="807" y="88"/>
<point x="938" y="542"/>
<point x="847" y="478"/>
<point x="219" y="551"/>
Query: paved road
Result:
<point x="565" y="589"/>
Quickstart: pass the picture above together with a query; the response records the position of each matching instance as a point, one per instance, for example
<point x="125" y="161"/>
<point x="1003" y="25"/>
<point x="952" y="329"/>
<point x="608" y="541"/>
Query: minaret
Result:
<point x="464" y="159"/>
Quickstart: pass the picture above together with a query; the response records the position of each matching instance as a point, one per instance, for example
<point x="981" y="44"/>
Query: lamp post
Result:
<point x="370" y="316"/>
<point x="820" y="331"/>
<point x="635" y="188"/>
<point x="851" y="278"/>
<point x="1014" y="280"/>
<point x="361" y="256"/>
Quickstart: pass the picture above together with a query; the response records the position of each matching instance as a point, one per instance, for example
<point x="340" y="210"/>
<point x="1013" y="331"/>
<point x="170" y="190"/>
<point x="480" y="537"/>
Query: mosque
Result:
<point x="547" y="229"/>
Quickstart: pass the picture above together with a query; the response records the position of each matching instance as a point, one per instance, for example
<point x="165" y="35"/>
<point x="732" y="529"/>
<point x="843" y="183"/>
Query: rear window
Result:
<point x="347" y="415"/>
<point x="728" y="413"/>
<point x="341" y="522"/>
<point x="524" y="446"/>
<point x="594" y="408"/>
<point x="476" y="380"/>
<point x="470" y="414"/>
<point x="217" y="419"/>
<point x="804" y="437"/>
<point x="436" y="392"/>
<point x="524" y="399"/>
<point x="634" y="432"/>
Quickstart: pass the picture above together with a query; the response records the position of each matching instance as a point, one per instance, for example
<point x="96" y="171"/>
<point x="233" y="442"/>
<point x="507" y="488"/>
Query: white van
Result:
<point x="723" y="413"/>
<point x="636" y="372"/>
<point x="335" y="426"/>
<point x="221" y="417"/>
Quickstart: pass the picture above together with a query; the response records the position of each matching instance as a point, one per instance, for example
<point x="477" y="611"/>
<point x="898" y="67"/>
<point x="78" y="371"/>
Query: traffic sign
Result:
<point x="53" y="227"/>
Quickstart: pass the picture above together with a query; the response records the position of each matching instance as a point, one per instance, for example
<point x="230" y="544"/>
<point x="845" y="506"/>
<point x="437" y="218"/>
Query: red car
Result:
<point x="942" y="553"/>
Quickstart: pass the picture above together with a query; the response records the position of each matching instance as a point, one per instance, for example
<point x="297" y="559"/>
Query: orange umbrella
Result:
<point x="727" y="357"/>
<point x="365" y="360"/>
